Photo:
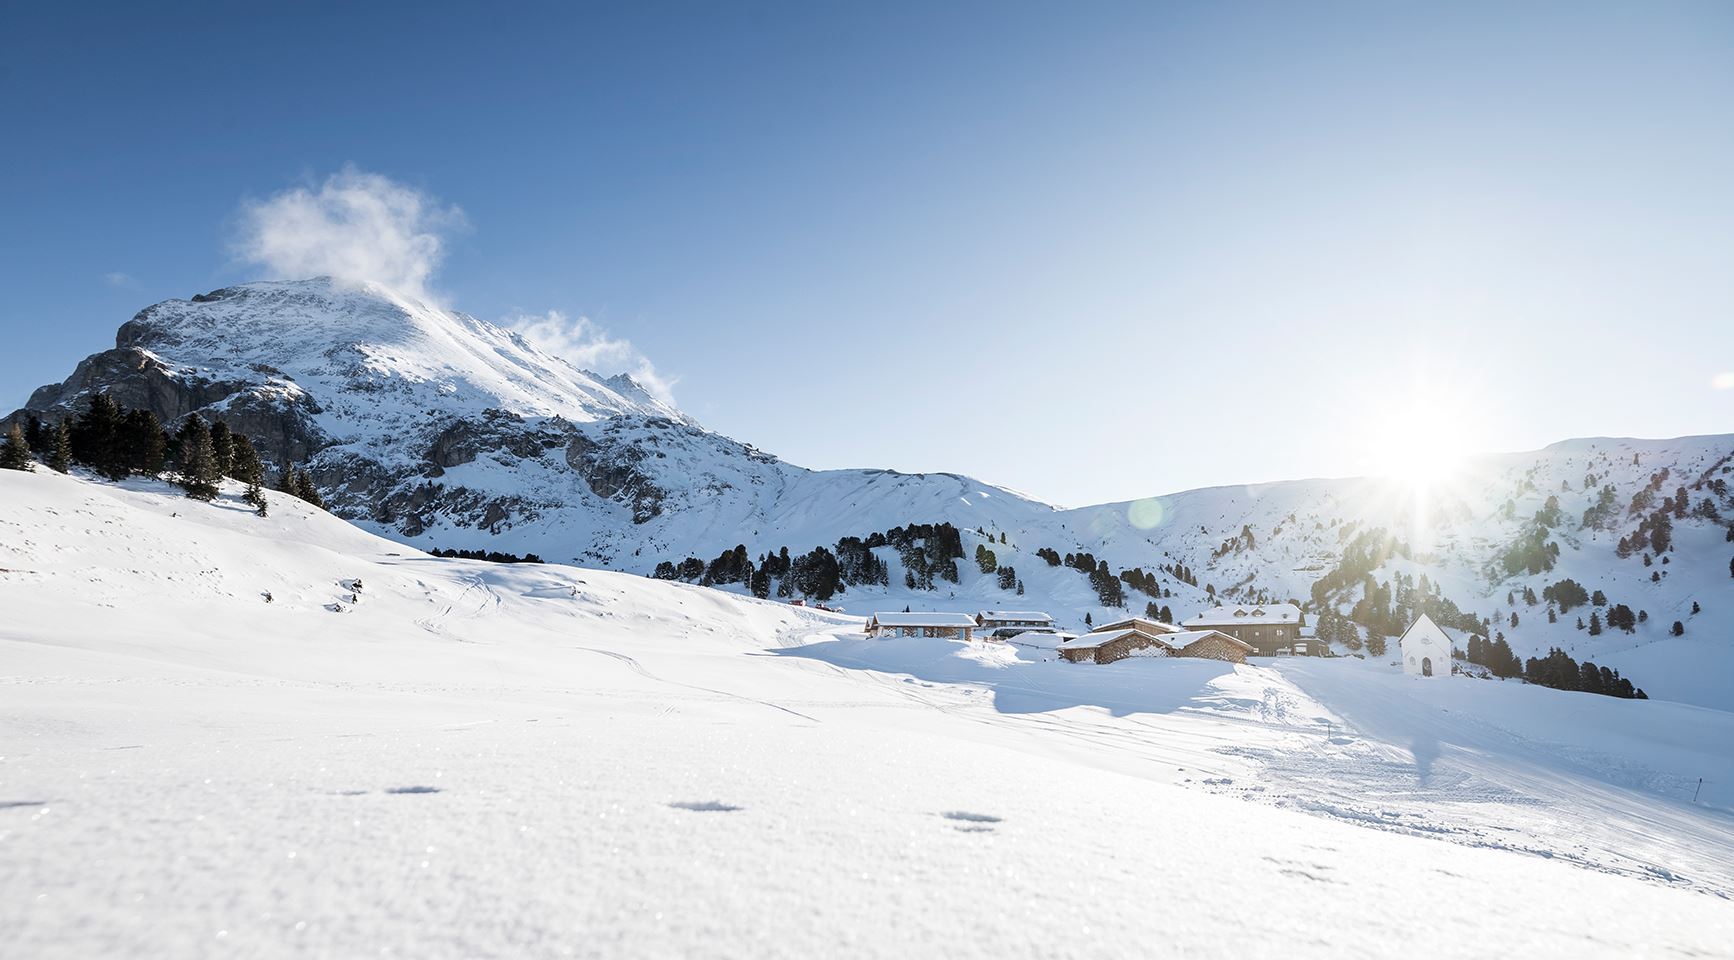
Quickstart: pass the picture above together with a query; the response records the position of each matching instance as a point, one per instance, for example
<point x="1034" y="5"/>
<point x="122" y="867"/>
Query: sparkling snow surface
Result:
<point x="463" y="759"/>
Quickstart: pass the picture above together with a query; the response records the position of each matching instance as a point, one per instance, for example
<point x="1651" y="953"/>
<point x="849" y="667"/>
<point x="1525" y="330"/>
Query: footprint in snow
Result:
<point x="972" y="822"/>
<point x="705" y="806"/>
<point x="412" y="790"/>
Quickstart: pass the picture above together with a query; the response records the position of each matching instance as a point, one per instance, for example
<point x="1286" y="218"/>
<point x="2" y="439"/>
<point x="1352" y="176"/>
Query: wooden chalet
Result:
<point x="1272" y="629"/>
<point x="953" y="626"/>
<point x="1110" y="644"/>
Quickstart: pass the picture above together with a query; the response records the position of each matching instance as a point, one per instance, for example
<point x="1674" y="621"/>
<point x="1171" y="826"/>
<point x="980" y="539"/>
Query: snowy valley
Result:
<point x="254" y="725"/>
<point x="441" y="430"/>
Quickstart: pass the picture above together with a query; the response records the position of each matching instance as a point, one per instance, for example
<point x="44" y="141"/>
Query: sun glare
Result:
<point x="1420" y="441"/>
<point x="1422" y="438"/>
<point x="1429" y="457"/>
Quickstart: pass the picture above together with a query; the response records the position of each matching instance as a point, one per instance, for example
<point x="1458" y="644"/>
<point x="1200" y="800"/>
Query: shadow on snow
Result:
<point x="1023" y="680"/>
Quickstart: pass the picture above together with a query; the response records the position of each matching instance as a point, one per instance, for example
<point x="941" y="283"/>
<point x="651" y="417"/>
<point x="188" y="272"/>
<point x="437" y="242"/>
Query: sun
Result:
<point x="1419" y="441"/>
<point x="1422" y="435"/>
<point x="1427" y="456"/>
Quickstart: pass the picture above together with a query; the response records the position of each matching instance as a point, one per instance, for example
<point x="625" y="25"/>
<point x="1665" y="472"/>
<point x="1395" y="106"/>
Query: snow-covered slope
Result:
<point x="464" y="759"/>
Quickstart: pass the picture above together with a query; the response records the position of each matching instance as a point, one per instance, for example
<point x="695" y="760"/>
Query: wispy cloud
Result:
<point x="121" y="280"/>
<point x="359" y="226"/>
<point x="354" y="226"/>
<point x="584" y="343"/>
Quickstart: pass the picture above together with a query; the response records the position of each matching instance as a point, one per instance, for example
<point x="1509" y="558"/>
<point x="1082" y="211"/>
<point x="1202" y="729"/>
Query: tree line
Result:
<point x="116" y="442"/>
<point x="929" y="553"/>
<point x="491" y="556"/>
<point x="1559" y="671"/>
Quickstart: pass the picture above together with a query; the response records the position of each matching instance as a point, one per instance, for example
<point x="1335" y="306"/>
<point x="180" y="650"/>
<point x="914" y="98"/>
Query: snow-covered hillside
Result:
<point x="1276" y="541"/>
<point x="213" y="740"/>
<point x="1282" y="538"/>
<point x="440" y="430"/>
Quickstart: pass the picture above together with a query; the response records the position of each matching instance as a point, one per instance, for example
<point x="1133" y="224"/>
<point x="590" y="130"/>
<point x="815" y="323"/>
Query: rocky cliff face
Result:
<point x="277" y="416"/>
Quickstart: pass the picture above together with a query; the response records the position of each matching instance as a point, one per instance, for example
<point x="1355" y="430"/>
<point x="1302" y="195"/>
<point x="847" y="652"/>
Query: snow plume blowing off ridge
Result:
<point x="584" y="343"/>
<point x="355" y="226"/>
<point x="362" y="227"/>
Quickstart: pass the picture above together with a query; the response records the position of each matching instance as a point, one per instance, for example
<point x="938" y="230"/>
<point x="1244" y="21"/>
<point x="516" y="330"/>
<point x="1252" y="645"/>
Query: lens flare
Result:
<point x="1146" y="514"/>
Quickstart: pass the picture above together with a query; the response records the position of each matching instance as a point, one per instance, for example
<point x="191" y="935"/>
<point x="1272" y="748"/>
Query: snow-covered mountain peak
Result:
<point x="438" y="427"/>
<point x="371" y="339"/>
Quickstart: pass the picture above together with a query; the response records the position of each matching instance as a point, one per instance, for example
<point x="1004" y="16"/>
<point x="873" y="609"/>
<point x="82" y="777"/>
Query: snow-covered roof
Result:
<point x="1143" y="623"/>
<point x="1090" y="641"/>
<point x="1424" y="627"/>
<point x="1252" y="613"/>
<point x="924" y="619"/>
<point x="1040" y="638"/>
<point x="1034" y="616"/>
<point x="1186" y="638"/>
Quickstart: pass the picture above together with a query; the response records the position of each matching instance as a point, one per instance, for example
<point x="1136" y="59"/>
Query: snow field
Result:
<point x="476" y="759"/>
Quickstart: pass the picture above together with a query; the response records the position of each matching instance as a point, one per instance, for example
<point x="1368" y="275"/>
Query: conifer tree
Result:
<point x="142" y="443"/>
<point x="36" y="435"/>
<point x="985" y="559"/>
<point x="1375" y="641"/>
<point x="15" y="450"/>
<point x="288" y="482"/>
<point x="60" y="448"/>
<point x="198" y="461"/>
<point x="245" y="467"/>
<point x="96" y="438"/>
<point x="244" y="462"/>
<point x="1595" y="624"/>
<point x="309" y="491"/>
<point x="223" y="448"/>
<point x="255" y="497"/>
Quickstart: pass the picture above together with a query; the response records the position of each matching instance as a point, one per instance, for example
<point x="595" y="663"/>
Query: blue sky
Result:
<point x="1090" y="251"/>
